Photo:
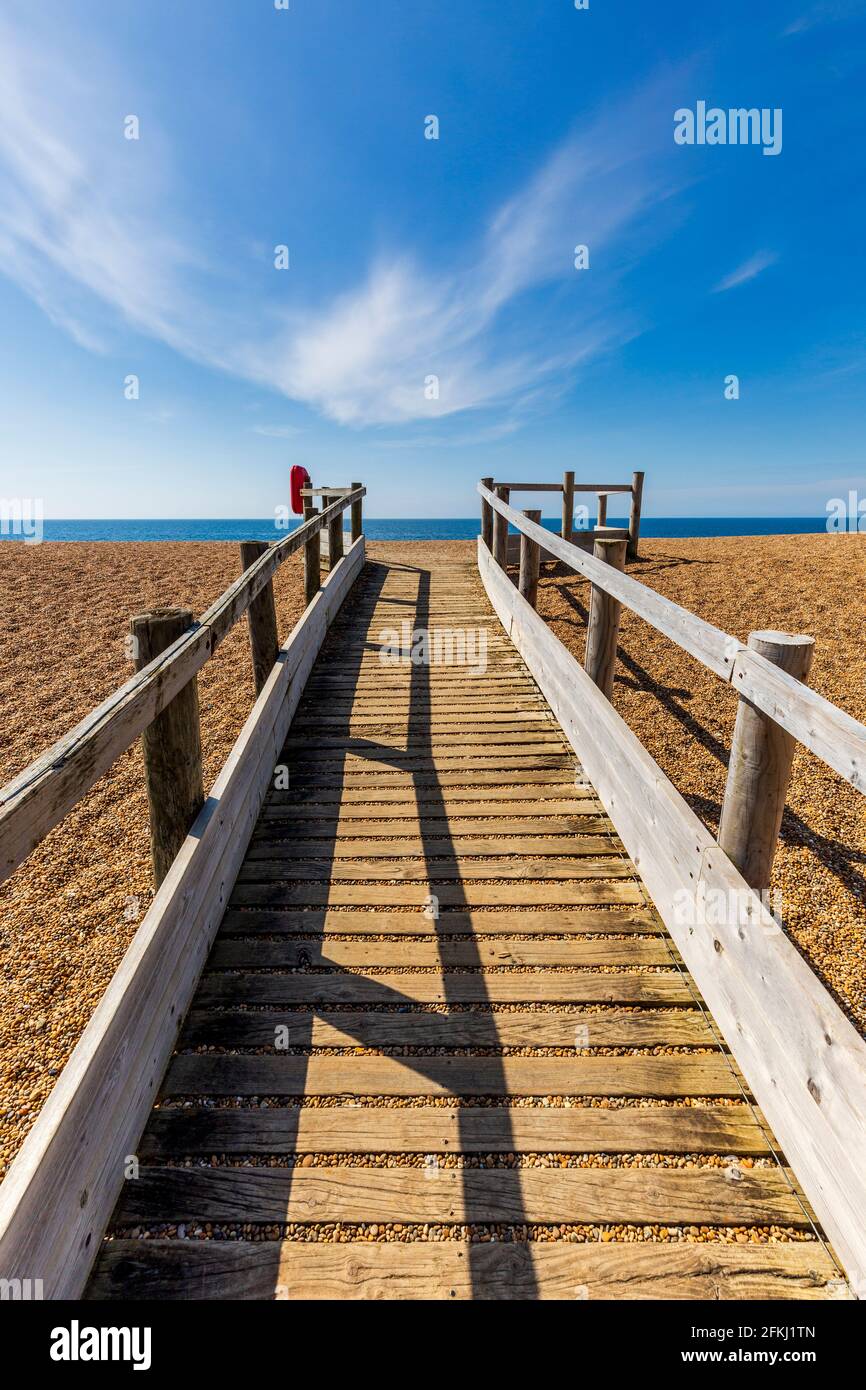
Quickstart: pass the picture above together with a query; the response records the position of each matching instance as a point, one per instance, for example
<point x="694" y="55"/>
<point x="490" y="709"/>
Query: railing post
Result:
<point x="603" y="627"/>
<point x="262" y="616"/>
<point x="357" y="523"/>
<point x="530" y="560"/>
<point x="634" y="517"/>
<point x="567" y="505"/>
<point x="760" y="768"/>
<point x="487" y="516"/>
<point x="171" y="744"/>
<point x="312" y="558"/>
<point x="335" y="535"/>
<point x="601" y="519"/>
<point x="500" y="532"/>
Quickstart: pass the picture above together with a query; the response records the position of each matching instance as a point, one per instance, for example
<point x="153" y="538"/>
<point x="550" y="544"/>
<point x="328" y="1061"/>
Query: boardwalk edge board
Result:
<point x="805" y="1063"/>
<point x="61" y="1189"/>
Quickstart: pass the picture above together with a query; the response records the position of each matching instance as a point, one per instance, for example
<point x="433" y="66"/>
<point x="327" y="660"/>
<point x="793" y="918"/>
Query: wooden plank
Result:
<point x="442" y="1075"/>
<point x="535" y="894"/>
<point x="40" y="796"/>
<point x="450" y="1270"/>
<point x="465" y="1028"/>
<point x="803" y="1059"/>
<point x="434" y="870"/>
<point x="448" y="1196"/>
<point x="317" y="826"/>
<point x="370" y="786"/>
<point x="371" y="955"/>
<point x="719" y="1129"/>
<point x="306" y="829"/>
<point x="288" y="848"/>
<point x="607" y="921"/>
<point x="60" y="1190"/>
<point x="512" y="987"/>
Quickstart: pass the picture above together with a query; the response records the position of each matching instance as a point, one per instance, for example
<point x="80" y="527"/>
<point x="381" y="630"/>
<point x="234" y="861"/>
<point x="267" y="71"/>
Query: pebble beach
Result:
<point x="69" y="912"/>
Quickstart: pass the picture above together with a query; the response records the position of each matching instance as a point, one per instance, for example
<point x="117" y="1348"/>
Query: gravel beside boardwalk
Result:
<point x="66" y="915"/>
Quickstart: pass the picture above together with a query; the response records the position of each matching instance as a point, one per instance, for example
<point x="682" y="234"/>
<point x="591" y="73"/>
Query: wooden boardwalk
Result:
<point x="443" y="1045"/>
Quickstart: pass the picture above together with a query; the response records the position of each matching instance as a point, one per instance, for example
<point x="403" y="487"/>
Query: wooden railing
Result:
<point x="802" y="1059"/>
<point x="568" y="487"/>
<point x="40" y="796"/>
<point x="753" y="669"/>
<point x="60" y="1191"/>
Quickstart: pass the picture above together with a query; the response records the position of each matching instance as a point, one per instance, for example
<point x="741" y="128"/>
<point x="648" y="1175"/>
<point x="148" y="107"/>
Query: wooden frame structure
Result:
<point x="62" y="1187"/>
<point x="804" y="1061"/>
<point x="568" y="488"/>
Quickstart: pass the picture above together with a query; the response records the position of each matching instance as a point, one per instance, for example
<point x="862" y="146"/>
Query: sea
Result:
<point x="406" y="529"/>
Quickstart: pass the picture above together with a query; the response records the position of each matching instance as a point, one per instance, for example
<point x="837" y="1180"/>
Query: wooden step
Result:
<point x="507" y="987"/>
<point x="709" y="1129"/>
<point x="469" y="1028"/>
<point x="649" y="1196"/>
<point x="364" y="954"/>
<point x="579" y="922"/>
<point x="450" y="1270"/>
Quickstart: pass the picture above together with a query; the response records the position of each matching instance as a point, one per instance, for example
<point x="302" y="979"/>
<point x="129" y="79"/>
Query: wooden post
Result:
<point x="603" y="627"/>
<point x="357" y="524"/>
<point x="262" y="618"/>
<point x="567" y="505"/>
<point x="335" y="535"/>
<point x="634" y="518"/>
<point x="530" y="560"/>
<point x="312" y="558"/>
<point x="601" y="519"/>
<point x="760" y="768"/>
<point x="500" y="532"/>
<point x="487" y="517"/>
<point x="171" y="744"/>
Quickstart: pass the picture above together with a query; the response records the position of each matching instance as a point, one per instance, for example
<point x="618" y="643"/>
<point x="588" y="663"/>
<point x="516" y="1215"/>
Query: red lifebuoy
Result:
<point x="299" y="478"/>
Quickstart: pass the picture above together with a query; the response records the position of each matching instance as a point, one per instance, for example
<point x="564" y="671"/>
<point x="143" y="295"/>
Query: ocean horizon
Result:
<point x="402" y="529"/>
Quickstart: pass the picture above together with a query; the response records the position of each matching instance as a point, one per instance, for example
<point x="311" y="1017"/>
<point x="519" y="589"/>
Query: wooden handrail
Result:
<point x="35" y="801"/>
<point x="827" y="731"/>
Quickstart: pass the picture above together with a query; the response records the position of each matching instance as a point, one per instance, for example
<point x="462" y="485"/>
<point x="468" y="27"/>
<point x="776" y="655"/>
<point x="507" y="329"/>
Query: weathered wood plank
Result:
<point x="467" y="1028"/>
<point x="288" y="849"/>
<point x="428" y="870"/>
<point x="371" y="955"/>
<point x="448" y="1196"/>
<point x="456" y="1270"/>
<point x="363" y="990"/>
<point x="719" y="1129"/>
<point x="468" y="895"/>
<point x="607" y="921"/>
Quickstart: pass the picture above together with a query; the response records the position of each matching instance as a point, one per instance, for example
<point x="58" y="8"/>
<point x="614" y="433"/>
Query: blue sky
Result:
<point x="412" y="258"/>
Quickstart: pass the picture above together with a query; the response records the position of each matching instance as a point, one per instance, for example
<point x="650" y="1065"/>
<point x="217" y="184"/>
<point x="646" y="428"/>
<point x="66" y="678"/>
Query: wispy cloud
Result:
<point x="826" y="12"/>
<point x="277" y="431"/>
<point x="92" y="232"/>
<point x="747" y="271"/>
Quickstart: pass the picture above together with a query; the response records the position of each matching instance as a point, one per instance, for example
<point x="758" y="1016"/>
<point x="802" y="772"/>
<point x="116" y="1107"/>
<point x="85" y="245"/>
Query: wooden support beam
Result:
<point x="500" y="531"/>
<point x="567" y="505"/>
<point x="171" y="744"/>
<point x="601" y="519"/>
<point x="760" y="767"/>
<point x="357" y="519"/>
<point x="603" y="627"/>
<point x="335" y="535"/>
<point x="634" y="519"/>
<point x="530" y="561"/>
<point x="487" y="517"/>
<point x="312" y="558"/>
<point x="262" y="617"/>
